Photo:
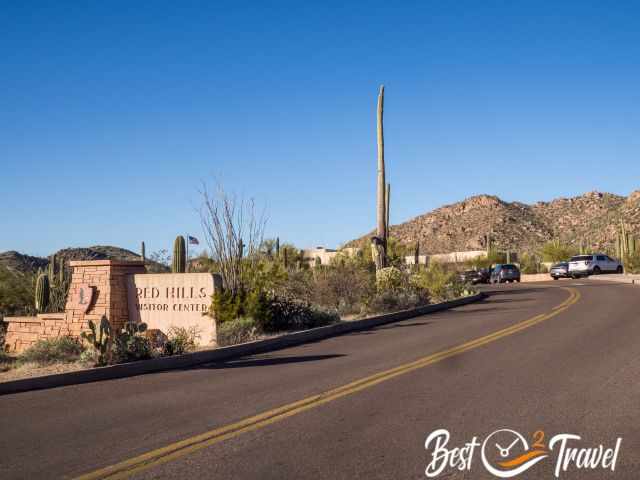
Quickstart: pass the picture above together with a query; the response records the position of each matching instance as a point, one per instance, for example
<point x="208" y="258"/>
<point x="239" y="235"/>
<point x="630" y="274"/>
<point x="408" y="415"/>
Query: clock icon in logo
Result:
<point x="506" y="453"/>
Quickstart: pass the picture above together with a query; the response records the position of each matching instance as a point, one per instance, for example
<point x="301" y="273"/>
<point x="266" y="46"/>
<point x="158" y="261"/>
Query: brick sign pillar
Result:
<point x="107" y="280"/>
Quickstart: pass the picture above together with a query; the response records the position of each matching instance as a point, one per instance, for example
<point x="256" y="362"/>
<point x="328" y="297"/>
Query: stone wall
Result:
<point x="107" y="279"/>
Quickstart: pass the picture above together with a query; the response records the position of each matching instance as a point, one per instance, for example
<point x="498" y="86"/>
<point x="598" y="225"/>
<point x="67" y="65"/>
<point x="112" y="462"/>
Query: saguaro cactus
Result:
<point x="277" y="247"/>
<point x="61" y="271"/>
<point x="387" y="228"/>
<point x="52" y="267"/>
<point x="381" y="215"/>
<point x="42" y="293"/>
<point x="143" y="253"/>
<point x="416" y="254"/>
<point x="179" y="263"/>
<point x="625" y="242"/>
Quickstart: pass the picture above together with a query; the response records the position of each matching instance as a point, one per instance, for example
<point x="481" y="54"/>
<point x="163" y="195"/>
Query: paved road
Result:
<point x="574" y="372"/>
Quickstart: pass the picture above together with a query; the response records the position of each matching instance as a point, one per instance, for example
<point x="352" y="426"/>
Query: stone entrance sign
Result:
<point x="168" y="300"/>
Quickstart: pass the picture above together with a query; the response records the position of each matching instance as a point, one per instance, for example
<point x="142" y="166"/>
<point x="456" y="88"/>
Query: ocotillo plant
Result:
<point x="381" y="183"/>
<point x="42" y="293"/>
<point x="179" y="261"/>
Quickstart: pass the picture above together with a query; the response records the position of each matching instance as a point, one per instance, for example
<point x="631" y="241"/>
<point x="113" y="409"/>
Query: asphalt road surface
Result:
<point x="566" y="359"/>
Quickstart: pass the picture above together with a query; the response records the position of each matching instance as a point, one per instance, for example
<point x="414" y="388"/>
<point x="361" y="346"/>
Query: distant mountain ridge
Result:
<point x="19" y="262"/>
<point x="592" y="218"/>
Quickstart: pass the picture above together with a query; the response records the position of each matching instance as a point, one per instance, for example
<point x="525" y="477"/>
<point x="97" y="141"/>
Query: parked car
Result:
<point x="503" y="273"/>
<point x="475" y="277"/>
<point x="559" y="270"/>
<point x="584" y="265"/>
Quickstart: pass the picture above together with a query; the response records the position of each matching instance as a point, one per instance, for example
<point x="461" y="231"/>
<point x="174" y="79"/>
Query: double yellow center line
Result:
<point x="198" y="442"/>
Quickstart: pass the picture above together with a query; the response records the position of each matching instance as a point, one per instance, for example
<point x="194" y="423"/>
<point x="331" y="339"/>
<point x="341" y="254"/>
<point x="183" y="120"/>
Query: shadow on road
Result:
<point x="259" y="362"/>
<point x="508" y="300"/>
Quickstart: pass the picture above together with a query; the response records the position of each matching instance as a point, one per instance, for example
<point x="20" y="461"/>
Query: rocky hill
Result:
<point x="19" y="262"/>
<point x="592" y="218"/>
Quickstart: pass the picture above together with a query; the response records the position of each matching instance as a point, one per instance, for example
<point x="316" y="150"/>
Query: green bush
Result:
<point x="131" y="345"/>
<point x="240" y="330"/>
<point x="529" y="264"/>
<point x="555" y="251"/>
<point x="16" y="293"/>
<point x="440" y="284"/>
<point x="389" y="278"/>
<point x="632" y="262"/>
<point x="48" y="351"/>
<point x="181" y="340"/>
<point x="3" y="333"/>
<point x="344" y="286"/>
<point x="492" y="258"/>
<point x="7" y="362"/>
<point x="282" y="314"/>
<point x="226" y="306"/>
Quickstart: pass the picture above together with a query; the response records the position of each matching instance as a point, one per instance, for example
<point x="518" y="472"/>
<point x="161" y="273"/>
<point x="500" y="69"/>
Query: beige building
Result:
<point x="453" y="257"/>
<point x="324" y="256"/>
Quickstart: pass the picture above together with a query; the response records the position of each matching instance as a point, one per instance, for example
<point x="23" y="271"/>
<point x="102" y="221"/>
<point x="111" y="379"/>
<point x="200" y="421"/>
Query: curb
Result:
<point x="224" y="353"/>
<point x="633" y="279"/>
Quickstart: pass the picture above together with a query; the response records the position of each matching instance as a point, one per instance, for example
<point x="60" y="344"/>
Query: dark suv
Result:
<point x="503" y="273"/>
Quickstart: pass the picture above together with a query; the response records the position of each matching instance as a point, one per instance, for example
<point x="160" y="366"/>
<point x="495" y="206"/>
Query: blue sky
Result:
<point x="112" y="113"/>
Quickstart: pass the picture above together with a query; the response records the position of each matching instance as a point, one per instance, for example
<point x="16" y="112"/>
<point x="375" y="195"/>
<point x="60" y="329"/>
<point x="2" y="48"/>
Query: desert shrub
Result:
<point x="16" y="293"/>
<point x="3" y="333"/>
<point x="48" y="351"/>
<point x="131" y="345"/>
<point x="632" y="263"/>
<point x="289" y="314"/>
<point x="91" y="357"/>
<point x="181" y="340"/>
<point x="396" y="252"/>
<point x="555" y="251"/>
<point x="390" y="301"/>
<point x="226" y="306"/>
<point x="493" y="257"/>
<point x="440" y="284"/>
<point x="529" y="263"/>
<point x="343" y="286"/>
<point x="389" y="279"/>
<point x="7" y="362"/>
<point x="236" y="331"/>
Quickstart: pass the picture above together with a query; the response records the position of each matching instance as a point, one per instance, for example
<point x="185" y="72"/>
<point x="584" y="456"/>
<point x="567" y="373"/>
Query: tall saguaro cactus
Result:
<point x="179" y="261"/>
<point x="387" y="228"/>
<point x="143" y="253"/>
<point x="625" y="242"/>
<point x="380" y="244"/>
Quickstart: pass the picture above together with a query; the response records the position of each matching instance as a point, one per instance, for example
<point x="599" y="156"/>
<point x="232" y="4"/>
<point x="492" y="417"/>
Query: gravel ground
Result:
<point x="33" y="370"/>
